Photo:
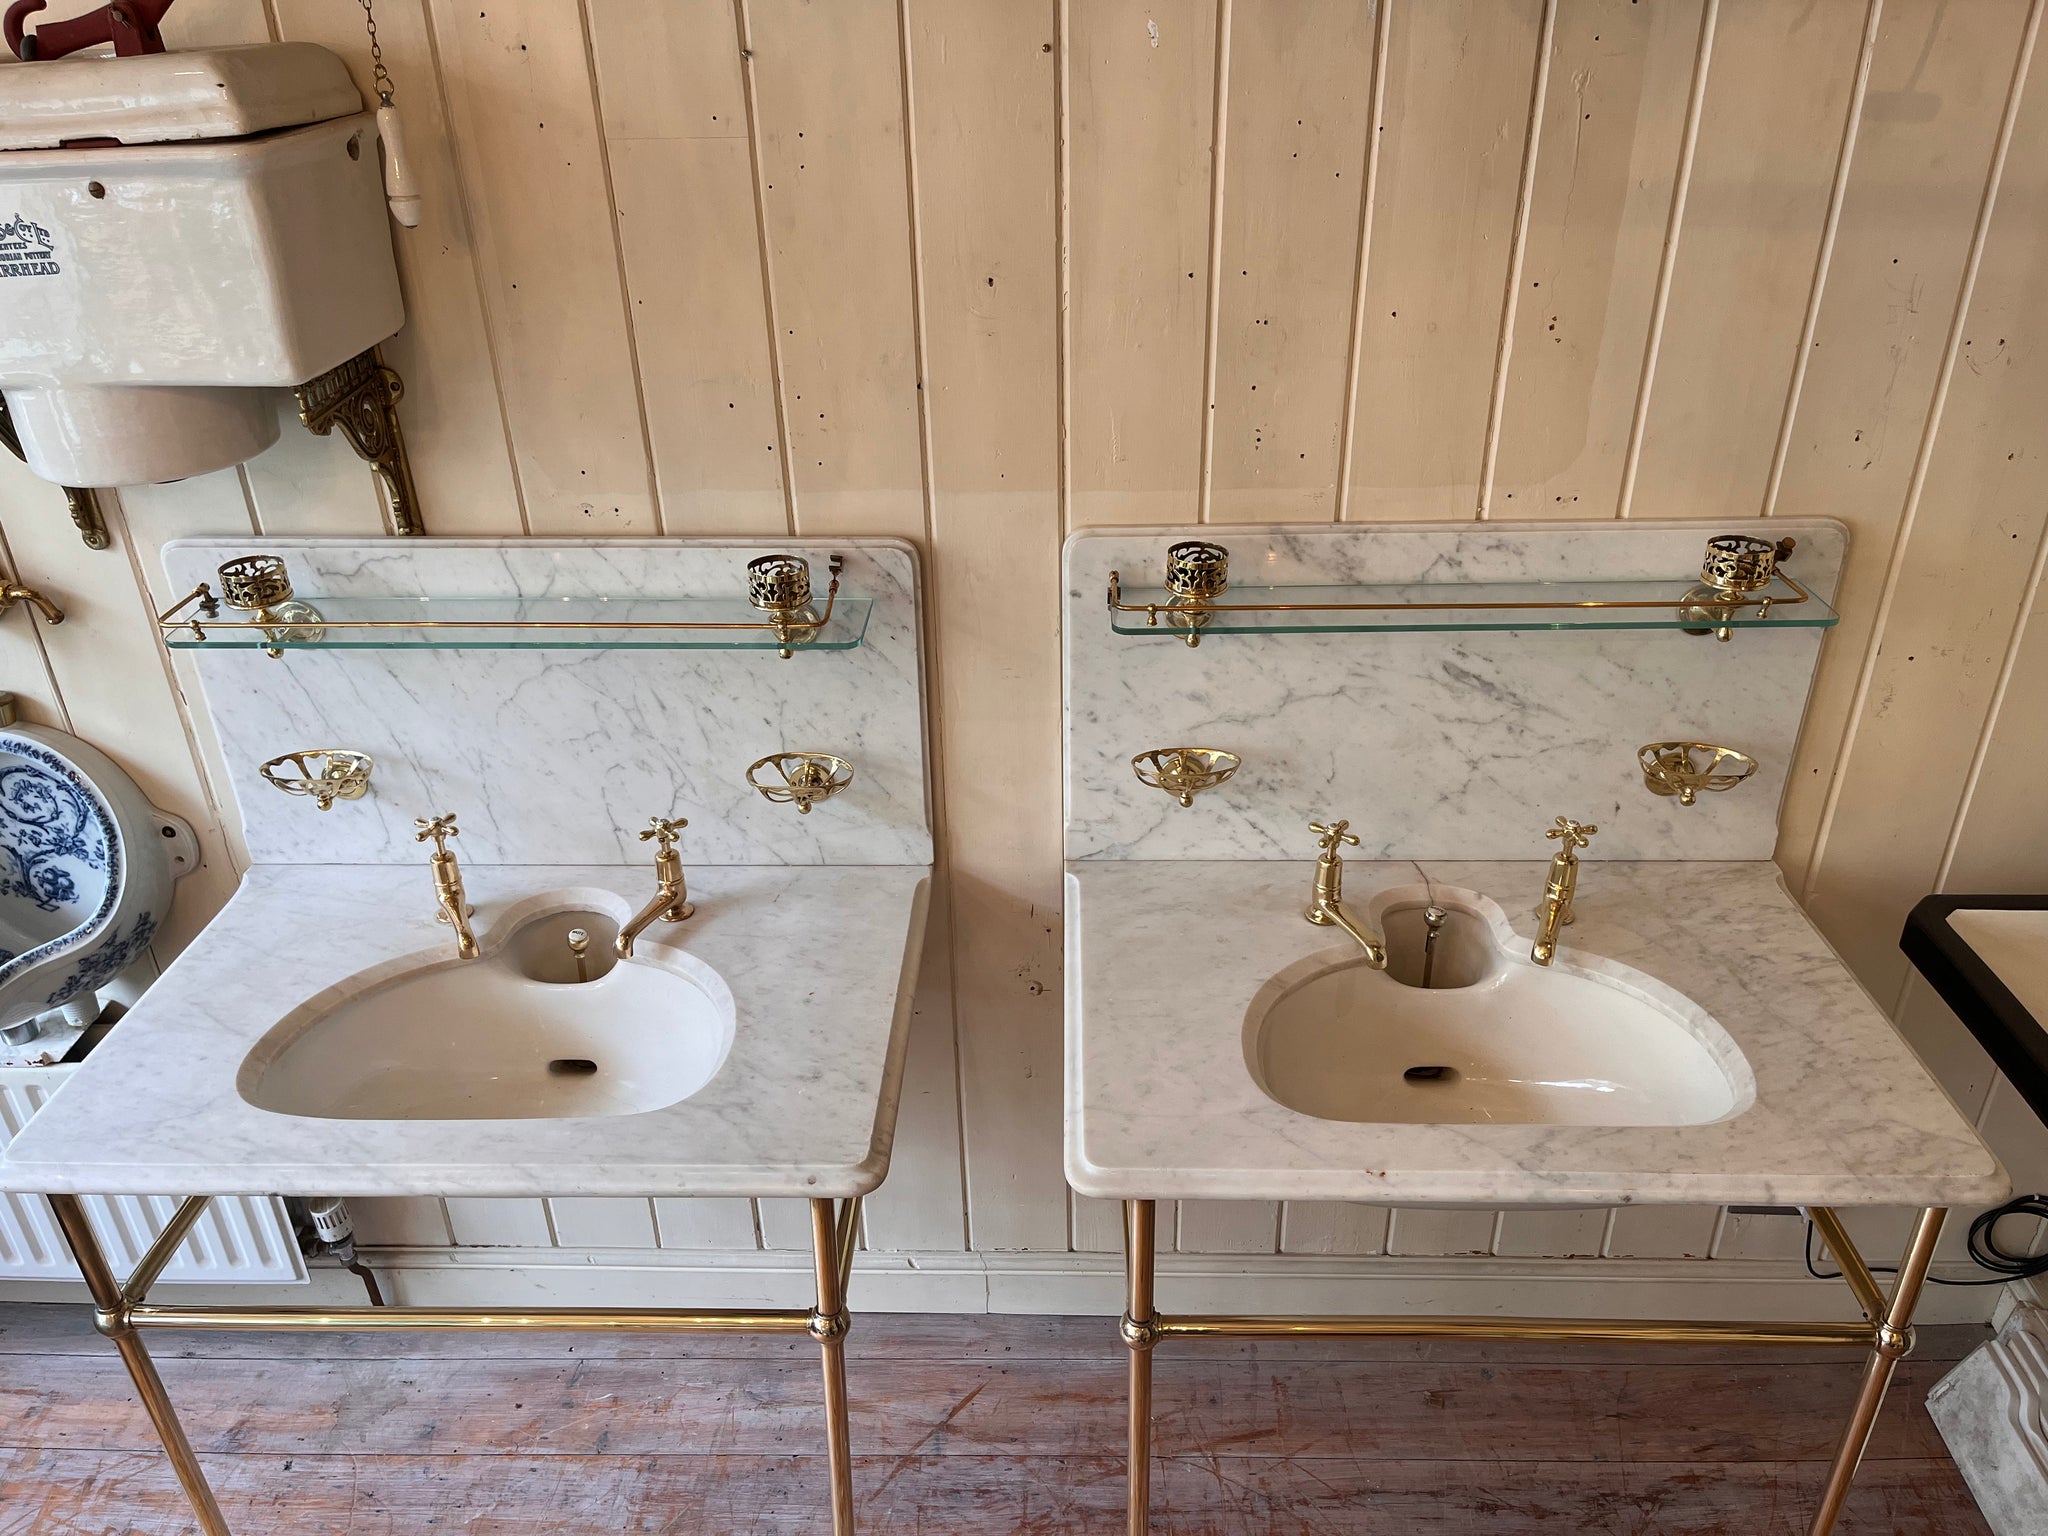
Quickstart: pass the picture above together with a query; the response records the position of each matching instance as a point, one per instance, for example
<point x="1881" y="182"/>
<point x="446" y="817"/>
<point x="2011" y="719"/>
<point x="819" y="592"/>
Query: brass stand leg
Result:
<point x="1139" y="1336"/>
<point x="1894" y="1343"/>
<point x="828" y="1327"/>
<point x="112" y="1319"/>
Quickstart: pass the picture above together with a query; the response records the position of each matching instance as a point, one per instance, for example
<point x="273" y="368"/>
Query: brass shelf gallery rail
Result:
<point x="777" y="614"/>
<point x="1742" y="585"/>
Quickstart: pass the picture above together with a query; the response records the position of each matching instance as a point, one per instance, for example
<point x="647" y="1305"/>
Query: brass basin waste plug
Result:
<point x="672" y="902"/>
<point x="1556" y="909"/>
<point x="1326" y="905"/>
<point x="448" y="893"/>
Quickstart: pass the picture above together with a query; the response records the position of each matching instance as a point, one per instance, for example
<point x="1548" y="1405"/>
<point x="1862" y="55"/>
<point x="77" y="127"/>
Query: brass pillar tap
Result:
<point x="672" y="902"/>
<point x="455" y="907"/>
<point x="1326" y="906"/>
<point x="1556" y="909"/>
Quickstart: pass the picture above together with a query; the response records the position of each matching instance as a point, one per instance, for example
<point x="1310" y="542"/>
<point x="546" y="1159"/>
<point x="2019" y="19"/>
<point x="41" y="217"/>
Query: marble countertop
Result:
<point x="820" y="962"/>
<point x="1164" y="960"/>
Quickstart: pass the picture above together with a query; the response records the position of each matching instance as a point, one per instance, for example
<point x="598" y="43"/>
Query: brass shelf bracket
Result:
<point x="86" y="514"/>
<point x="361" y="397"/>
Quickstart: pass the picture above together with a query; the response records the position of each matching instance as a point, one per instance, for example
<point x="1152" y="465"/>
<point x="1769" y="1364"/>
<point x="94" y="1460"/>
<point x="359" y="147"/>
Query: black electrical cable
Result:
<point x="1984" y="1250"/>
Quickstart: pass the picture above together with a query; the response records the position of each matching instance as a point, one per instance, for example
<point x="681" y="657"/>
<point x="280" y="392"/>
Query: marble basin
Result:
<point x="1496" y="1039"/>
<point x="511" y="1036"/>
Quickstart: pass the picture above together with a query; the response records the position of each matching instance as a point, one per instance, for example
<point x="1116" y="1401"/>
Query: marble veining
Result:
<point x="819" y="962"/>
<point x="1434" y="745"/>
<point x="561" y="756"/>
<point x="1160" y="1102"/>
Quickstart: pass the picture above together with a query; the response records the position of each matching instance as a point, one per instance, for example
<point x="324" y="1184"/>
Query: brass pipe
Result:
<point x="1618" y="1330"/>
<point x="468" y="1320"/>
<point x="849" y="1225"/>
<point x="164" y="1249"/>
<point x="828" y="1325"/>
<point x="1139" y="1328"/>
<point x="1204" y="606"/>
<point x="112" y="1319"/>
<point x="1869" y="1294"/>
<point x="1893" y="1343"/>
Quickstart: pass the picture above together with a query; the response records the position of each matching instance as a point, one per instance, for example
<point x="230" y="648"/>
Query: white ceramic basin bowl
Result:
<point x="1506" y="1042"/>
<point x="510" y="1036"/>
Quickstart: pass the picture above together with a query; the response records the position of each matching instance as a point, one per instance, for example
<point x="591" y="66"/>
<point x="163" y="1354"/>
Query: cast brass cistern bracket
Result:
<point x="83" y="500"/>
<point x="361" y="397"/>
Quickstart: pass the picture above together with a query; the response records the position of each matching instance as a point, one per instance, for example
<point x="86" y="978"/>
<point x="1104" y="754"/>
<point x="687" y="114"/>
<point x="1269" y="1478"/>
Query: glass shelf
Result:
<point x="520" y="624"/>
<point x="1508" y="605"/>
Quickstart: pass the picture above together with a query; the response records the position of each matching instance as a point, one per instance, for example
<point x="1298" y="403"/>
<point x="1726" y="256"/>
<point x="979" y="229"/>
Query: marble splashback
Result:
<point x="1441" y="745"/>
<point x="561" y="756"/>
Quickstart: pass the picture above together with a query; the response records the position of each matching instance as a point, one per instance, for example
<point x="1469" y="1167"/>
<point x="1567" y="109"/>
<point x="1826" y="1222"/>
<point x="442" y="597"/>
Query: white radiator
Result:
<point x="243" y="1239"/>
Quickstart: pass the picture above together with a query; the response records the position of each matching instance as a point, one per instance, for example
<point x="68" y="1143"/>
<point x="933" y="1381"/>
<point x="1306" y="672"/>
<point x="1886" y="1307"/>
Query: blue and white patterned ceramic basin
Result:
<point x="83" y="880"/>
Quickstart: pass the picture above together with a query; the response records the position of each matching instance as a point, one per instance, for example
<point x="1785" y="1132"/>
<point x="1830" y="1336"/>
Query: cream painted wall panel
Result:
<point x="1778" y="92"/>
<point x="586" y="1222"/>
<point x="1228" y="1226"/>
<point x="1551" y="1234"/>
<point x="983" y="149"/>
<point x="454" y="423"/>
<point x="105" y="663"/>
<point x="1330" y="1226"/>
<point x="1968" y="563"/>
<point x="481" y="1222"/>
<point x="2002" y="843"/>
<point x="675" y="121"/>
<point x="1760" y="1236"/>
<point x="214" y="24"/>
<point x="1662" y="1232"/>
<point x="709" y="1223"/>
<point x="1139" y="90"/>
<point x="1299" y="114"/>
<point x="1930" y="121"/>
<point x="922" y="1206"/>
<point x="303" y="484"/>
<point x="154" y="514"/>
<point x="1099" y="1226"/>
<point x="408" y="1222"/>
<point x="523" y="110"/>
<point x="1459" y="74"/>
<point x="1607" y="159"/>
<point x="1440" y="1232"/>
<point x="828" y="106"/>
<point x="785" y="1223"/>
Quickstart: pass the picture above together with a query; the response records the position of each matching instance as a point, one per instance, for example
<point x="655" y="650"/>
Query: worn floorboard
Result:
<point x="964" y="1426"/>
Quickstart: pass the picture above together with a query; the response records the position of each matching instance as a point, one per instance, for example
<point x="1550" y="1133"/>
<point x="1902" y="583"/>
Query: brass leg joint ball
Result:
<point x="1139" y="1335"/>
<point x="826" y="1326"/>
<point x="1893" y="1342"/>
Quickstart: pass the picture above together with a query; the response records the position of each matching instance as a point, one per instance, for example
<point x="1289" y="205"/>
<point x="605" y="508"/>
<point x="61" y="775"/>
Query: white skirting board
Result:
<point x="242" y="1240"/>
<point x="1989" y="1410"/>
<point x="1077" y="1284"/>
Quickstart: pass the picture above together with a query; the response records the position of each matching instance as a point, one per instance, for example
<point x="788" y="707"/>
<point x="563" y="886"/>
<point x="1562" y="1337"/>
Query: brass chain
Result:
<point x="381" y="75"/>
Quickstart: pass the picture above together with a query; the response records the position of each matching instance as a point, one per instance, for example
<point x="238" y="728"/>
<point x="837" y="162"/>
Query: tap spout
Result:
<point x="449" y="897"/>
<point x="671" y="902"/>
<point x="1326" y="904"/>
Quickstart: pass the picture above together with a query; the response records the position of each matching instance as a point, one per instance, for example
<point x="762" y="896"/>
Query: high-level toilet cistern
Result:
<point x="672" y="902"/>
<point x="1326" y="905"/>
<point x="455" y="909"/>
<point x="1556" y="908"/>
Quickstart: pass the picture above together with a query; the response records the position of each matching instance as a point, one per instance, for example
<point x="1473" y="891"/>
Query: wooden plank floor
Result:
<point x="962" y="1426"/>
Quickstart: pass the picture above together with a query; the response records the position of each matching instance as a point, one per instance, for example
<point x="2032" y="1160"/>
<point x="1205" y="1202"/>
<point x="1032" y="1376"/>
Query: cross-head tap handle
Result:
<point x="1572" y="833"/>
<point x="663" y="830"/>
<point x="1333" y="836"/>
<point x="440" y="829"/>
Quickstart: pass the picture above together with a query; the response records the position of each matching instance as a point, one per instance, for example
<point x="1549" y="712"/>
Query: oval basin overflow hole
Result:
<point x="1430" y="1075"/>
<point x="571" y="1066"/>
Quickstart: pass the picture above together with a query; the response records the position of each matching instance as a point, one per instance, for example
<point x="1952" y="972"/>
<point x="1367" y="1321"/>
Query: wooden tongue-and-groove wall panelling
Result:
<point x="980" y="272"/>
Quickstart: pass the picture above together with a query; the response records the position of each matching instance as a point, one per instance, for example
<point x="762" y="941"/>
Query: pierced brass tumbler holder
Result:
<point x="1196" y="574"/>
<point x="806" y="778"/>
<point x="1184" y="772"/>
<point x="261" y="586"/>
<point x="780" y="586"/>
<point x="327" y="774"/>
<point x="1676" y="768"/>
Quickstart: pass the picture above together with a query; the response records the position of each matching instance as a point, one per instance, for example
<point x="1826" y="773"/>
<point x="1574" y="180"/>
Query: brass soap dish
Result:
<point x="1184" y="772"/>
<point x="327" y="774"/>
<point x="807" y="778"/>
<point x="1684" y="768"/>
